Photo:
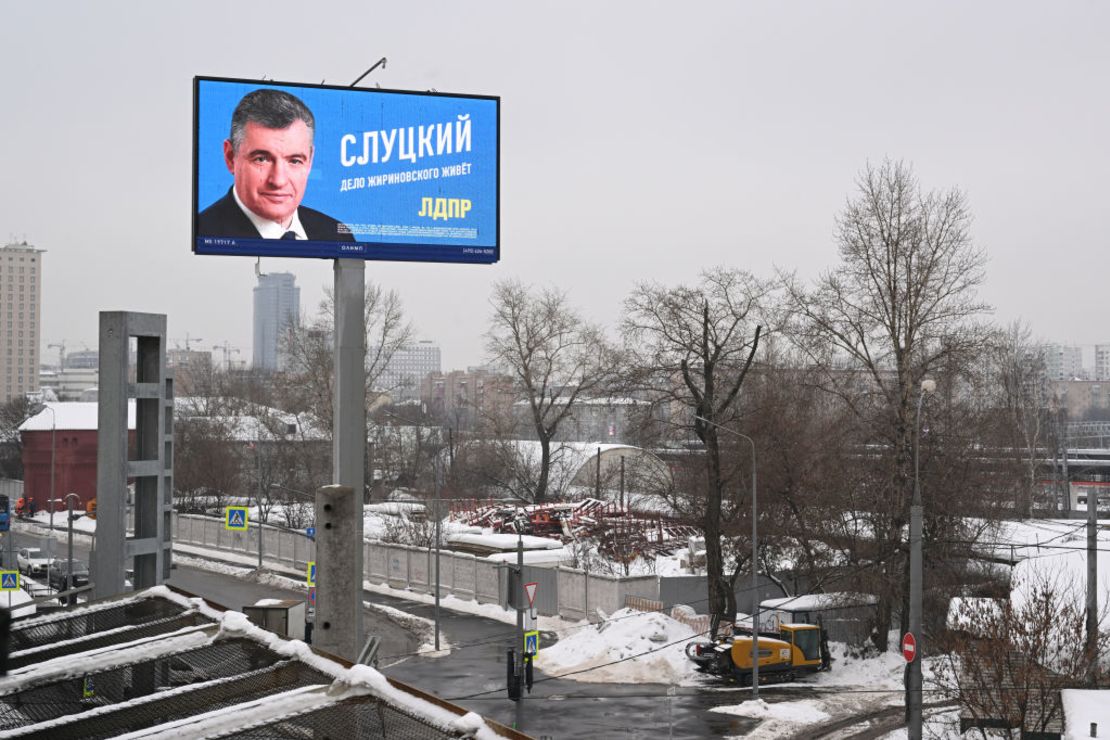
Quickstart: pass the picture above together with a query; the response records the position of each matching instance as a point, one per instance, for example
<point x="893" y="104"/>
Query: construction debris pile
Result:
<point x="618" y="532"/>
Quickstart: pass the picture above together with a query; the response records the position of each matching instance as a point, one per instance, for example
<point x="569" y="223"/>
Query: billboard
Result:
<point x="290" y="170"/>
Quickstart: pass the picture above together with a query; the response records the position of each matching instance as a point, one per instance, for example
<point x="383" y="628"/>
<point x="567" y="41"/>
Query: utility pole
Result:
<point x="518" y="590"/>
<point x="258" y="466"/>
<point x="622" y="485"/>
<point x="72" y="598"/>
<point x="1092" y="577"/>
<point x="438" y="515"/>
<point x="913" y="670"/>
<point x="597" y="476"/>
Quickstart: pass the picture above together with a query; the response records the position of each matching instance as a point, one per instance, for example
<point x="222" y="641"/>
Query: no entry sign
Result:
<point x="909" y="647"/>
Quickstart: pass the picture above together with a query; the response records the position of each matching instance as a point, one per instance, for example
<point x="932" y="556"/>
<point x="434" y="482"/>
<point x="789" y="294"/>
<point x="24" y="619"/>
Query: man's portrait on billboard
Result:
<point x="269" y="153"/>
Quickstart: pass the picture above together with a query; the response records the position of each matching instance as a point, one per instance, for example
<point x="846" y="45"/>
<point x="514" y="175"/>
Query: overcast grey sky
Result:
<point x="640" y="141"/>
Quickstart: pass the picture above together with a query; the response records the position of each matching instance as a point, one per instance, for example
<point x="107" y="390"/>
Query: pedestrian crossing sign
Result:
<point x="235" y="518"/>
<point x="9" y="580"/>
<point x="531" y="642"/>
<point x="310" y="574"/>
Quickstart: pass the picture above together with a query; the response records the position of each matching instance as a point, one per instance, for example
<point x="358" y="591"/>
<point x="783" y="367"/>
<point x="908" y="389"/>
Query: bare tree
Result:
<point x="692" y="347"/>
<point x="12" y="414"/>
<point x="900" y="306"/>
<point x="1005" y="663"/>
<point x="308" y="382"/>
<point x="1026" y="403"/>
<point x="556" y="358"/>
<point x="207" y="468"/>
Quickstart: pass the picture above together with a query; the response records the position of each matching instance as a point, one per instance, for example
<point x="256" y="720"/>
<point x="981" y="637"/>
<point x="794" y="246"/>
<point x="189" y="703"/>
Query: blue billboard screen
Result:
<point x="289" y="170"/>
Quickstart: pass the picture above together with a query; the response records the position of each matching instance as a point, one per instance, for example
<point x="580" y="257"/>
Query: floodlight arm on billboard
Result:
<point x="379" y="63"/>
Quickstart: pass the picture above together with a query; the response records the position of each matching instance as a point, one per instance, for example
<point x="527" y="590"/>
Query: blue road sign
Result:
<point x="235" y="518"/>
<point x="532" y="642"/>
<point x="310" y="576"/>
<point x="9" y="580"/>
<point x="311" y="532"/>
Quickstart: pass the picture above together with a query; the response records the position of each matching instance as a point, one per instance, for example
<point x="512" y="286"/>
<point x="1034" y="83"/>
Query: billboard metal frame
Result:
<point x="360" y="250"/>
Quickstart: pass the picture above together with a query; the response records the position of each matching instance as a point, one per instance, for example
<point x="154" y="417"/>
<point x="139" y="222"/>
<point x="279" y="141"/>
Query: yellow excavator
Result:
<point x="795" y="649"/>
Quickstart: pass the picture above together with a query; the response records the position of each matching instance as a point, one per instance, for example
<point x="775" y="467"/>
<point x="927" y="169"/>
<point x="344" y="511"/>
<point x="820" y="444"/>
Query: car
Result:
<point x="31" y="561"/>
<point x="62" y="568"/>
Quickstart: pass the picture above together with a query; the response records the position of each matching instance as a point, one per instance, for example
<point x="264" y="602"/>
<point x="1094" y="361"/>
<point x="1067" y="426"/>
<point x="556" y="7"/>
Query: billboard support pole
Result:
<point x="340" y="607"/>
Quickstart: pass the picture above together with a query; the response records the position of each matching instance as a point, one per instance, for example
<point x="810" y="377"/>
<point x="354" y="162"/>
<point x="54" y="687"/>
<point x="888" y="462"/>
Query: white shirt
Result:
<point x="271" y="229"/>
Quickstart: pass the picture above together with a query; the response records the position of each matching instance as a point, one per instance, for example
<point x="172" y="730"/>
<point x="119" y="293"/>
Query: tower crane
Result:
<point x="228" y="350"/>
<point x="61" y="347"/>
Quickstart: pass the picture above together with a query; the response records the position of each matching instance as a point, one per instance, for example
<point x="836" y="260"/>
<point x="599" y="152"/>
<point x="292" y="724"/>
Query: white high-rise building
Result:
<point x="20" y="319"/>
<point x="1102" y="362"/>
<point x="1063" y="362"/>
<point x="277" y="301"/>
<point x="407" y="368"/>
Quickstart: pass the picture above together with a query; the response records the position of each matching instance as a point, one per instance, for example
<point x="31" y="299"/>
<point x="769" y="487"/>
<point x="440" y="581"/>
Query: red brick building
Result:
<point x="66" y="432"/>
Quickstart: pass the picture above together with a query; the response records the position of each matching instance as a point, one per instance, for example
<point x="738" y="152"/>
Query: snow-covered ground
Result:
<point x="635" y="647"/>
<point x="853" y="688"/>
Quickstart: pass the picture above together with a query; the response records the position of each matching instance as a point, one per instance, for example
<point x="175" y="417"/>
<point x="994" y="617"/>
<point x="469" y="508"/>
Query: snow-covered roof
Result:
<point x="396" y="508"/>
<point x="245" y="421"/>
<point x="570" y="457"/>
<point x="819" y="602"/>
<point x="1083" y="708"/>
<point x="534" y="557"/>
<point x="70" y="416"/>
<point x="504" y="542"/>
<point x="613" y="401"/>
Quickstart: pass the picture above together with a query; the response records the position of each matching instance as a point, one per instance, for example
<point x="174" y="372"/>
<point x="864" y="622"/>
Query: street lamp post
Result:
<point x="755" y="560"/>
<point x="913" y="670"/>
<point x="439" y="496"/>
<point x="69" y="498"/>
<point x="258" y="468"/>
<point x="53" y="449"/>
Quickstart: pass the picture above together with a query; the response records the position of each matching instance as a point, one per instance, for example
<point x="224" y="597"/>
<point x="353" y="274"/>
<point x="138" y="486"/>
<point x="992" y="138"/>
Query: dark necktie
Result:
<point x="289" y="235"/>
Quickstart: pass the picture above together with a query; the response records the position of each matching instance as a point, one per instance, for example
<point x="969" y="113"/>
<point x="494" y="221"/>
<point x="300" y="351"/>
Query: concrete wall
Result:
<point x="565" y="592"/>
<point x="694" y="591"/>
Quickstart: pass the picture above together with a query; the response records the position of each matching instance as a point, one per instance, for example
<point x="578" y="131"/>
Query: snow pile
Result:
<point x="641" y="648"/>
<point x="883" y="671"/>
<point x="804" y="712"/>
<point x="81" y="524"/>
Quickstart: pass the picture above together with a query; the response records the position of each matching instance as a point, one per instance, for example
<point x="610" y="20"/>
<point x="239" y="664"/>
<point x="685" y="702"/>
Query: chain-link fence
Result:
<point x="365" y="717"/>
<point x="39" y="640"/>
<point x="138" y="686"/>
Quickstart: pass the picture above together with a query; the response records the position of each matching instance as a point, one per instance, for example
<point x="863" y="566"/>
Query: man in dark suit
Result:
<point x="269" y="154"/>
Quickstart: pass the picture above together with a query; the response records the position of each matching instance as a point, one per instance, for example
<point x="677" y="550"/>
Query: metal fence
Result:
<point x="286" y="546"/>
<point x="565" y="592"/>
